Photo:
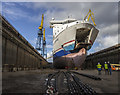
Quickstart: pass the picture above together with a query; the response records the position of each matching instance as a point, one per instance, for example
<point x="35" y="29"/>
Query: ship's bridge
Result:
<point x="59" y="25"/>
<point x="69" y="20"/>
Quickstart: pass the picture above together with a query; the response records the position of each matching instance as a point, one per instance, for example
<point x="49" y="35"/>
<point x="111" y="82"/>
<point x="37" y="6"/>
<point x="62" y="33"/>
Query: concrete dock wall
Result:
<point x="17" y="52"/>
<point x="111" y="54"/>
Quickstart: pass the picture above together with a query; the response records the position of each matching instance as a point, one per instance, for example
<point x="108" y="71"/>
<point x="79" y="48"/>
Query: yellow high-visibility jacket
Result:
<point x="106" y="66"/>
<point x="99" y="66"/>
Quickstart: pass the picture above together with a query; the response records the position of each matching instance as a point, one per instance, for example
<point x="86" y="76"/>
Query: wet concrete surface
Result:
<point x="34" y="81"/>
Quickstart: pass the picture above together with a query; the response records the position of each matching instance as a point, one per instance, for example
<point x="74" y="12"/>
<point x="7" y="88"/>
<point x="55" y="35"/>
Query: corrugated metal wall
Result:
<point x="17" y="53"/>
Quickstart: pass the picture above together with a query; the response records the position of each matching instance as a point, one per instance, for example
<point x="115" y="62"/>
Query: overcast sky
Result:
<point x="26" y="17"/>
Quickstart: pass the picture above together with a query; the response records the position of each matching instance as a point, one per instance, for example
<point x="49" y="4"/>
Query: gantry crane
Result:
<point x="91" y="14"/>
<point x="41" y="41"/>
<point x="44" y="44"/>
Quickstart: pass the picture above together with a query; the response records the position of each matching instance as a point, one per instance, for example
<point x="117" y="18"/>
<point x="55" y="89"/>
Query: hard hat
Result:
<point x="105" y="62"/>
<point x="53" y="18"/>
<point x="108" y="61"/>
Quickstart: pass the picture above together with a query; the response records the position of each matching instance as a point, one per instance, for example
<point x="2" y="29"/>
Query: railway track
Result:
<point x="72" y="84"/>
<point x="86" y="75"/>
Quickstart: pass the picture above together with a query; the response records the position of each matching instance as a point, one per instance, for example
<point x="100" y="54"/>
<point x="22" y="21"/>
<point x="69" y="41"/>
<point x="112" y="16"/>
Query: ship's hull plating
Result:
<point x="70" y="60"/>
<point x="70" y="46"/>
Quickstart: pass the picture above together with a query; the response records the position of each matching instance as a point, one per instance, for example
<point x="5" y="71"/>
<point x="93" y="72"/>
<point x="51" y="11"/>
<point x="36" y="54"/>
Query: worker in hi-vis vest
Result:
<point x="106" y="68"/>
<point x="99" y="67"/>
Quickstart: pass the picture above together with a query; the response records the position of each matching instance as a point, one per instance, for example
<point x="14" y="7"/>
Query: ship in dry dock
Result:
<point x="71" y="40"/>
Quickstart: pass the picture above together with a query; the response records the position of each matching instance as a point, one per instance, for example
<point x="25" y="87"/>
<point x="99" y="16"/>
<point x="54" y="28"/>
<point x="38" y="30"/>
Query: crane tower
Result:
<point x="41" y="41"/>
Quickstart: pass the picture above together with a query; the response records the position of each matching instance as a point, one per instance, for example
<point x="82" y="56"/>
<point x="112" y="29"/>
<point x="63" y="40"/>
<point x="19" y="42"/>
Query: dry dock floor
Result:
<point x="34" y="81"/>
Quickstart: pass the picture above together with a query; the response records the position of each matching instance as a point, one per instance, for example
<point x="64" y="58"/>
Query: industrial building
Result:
<point x="17" y="52"/>
<point x="111" y="54"/>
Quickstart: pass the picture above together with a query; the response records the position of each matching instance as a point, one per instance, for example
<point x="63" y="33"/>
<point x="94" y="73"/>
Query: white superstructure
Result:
<point x="60" y="25"/>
